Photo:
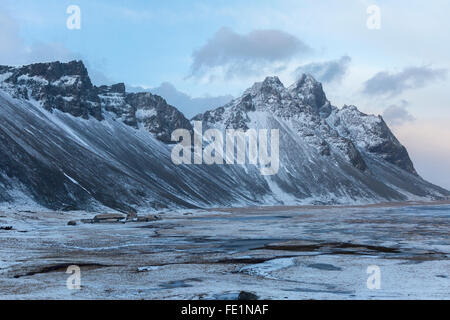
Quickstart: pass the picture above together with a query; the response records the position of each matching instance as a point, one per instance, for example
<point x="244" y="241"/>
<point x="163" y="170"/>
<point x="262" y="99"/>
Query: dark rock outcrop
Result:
<point x="63" y="86"/>
<point x="67" y="87"/>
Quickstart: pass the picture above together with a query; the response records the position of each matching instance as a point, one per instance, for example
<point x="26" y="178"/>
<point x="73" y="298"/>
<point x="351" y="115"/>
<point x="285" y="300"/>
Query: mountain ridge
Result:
<point x="68" y="88"/>
<point x="71" y="145"/>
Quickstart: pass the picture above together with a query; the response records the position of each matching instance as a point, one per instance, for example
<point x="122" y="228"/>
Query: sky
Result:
<point x="393" y="61"/>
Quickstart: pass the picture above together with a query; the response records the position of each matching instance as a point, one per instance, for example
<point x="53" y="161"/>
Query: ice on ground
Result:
<point x="265" y="269"/>
<point x="275" y="253"/>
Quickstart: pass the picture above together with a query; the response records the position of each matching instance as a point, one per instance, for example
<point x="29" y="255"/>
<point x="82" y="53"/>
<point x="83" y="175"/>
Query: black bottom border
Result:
<point x="260" y="309"/>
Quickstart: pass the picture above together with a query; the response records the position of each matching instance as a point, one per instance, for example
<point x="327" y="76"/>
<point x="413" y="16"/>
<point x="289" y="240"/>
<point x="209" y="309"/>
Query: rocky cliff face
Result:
<point x="68" y="88"/>
<point x="371" y="134"/>
<point x="308" y="92"/>
<point x="303" y="107"/>
<point x="67" y="144"/>
<point x="326" y="152"/>
<point x="65" y="87"/>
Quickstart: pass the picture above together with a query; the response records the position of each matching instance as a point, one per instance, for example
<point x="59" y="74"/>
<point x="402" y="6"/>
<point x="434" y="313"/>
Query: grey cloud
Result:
<point x="240" y="54"/>
<point x="398" y="114"/>
<point x="188" y="105"/>
<point x="14" y="51"/>
<point x="328" y="71"/>
<point x="385" y="83"/>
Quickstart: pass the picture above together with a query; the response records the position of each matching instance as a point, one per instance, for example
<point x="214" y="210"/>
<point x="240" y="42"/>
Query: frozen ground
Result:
<point x="277" y="253"/>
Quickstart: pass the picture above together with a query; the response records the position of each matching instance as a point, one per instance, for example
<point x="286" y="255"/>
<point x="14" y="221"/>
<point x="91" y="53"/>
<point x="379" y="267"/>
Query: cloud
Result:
<point x="385" y="83"/>
<point x="327" y="71"/>
<point x="137" y="15"/>
<point x="14" y="51"/>
<point x="427" y="144"/>
<point x="234" y="54"/>
<point x="397" y="115"/>
<point x="185" y="103"/>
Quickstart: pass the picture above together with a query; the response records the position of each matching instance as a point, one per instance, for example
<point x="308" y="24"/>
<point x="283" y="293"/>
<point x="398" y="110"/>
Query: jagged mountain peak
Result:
<point x="305" y="83"/>
<point x="305" y="106"/>
<point x="67" y="87"/>
<point x="310" y="92"/>
<point x="272" y="81"/>
<point x="51" y="71"/>
<point x="307" y="78"/>
<point x="55" y="85"/>
<point x="270" y="85"/>
<point x="305" y="94"/>
<point x="370" y="134"/>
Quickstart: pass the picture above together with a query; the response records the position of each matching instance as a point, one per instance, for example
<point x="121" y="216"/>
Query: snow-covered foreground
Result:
<point x="278" y="253"/>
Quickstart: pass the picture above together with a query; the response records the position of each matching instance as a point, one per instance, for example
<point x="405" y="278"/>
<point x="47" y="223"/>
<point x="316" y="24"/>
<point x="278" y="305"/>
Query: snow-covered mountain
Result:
<point x="326" y="154"/>
<point x="67" y="144"/>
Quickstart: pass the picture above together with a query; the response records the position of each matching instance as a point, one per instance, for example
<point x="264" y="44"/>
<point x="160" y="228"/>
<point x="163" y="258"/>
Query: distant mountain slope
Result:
<point x="67" y="144"/>
<point x="190" y="106"/>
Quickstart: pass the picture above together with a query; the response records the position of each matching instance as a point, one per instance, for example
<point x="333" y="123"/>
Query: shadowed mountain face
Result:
<point x="67" y="144"/>
<point x="67" y="87"/>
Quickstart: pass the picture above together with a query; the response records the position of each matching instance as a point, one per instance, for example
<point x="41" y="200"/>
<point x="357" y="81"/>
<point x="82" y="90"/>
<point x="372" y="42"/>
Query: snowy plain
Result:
<point x="275" y="253"/>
